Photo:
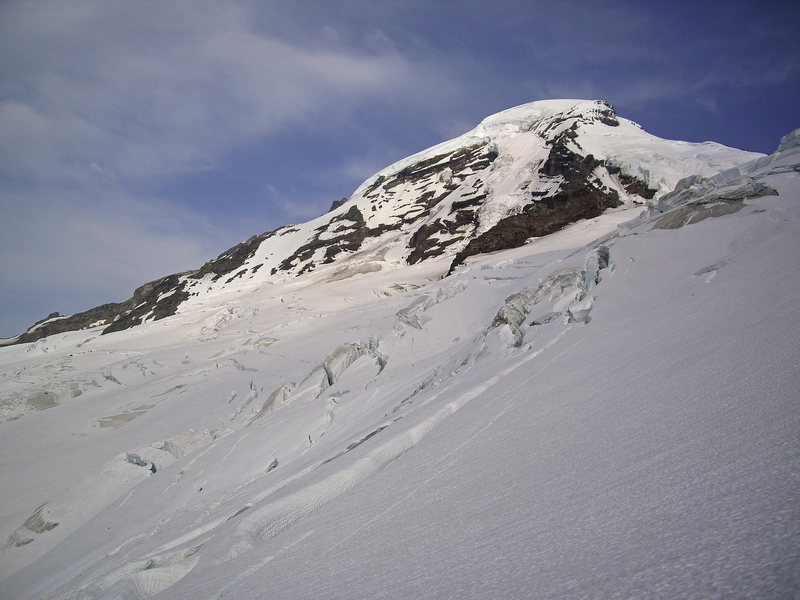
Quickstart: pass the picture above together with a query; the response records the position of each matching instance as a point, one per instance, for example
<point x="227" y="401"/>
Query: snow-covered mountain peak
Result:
<point x="604" y="411"/>
<point x="521" y="174"/>
<point x="536" y="116"/>
<point x="533" y="115"/>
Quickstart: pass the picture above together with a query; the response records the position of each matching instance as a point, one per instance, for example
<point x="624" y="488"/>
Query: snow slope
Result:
<point x="608" y="411"/>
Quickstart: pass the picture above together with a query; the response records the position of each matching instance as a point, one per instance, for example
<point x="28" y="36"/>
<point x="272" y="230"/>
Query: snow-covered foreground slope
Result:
<point x="604" y="412"/>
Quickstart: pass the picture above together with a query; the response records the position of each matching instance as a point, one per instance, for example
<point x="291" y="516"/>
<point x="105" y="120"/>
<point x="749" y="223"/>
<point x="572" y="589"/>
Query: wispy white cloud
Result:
<point x="145" y="92"/>
<point x="98" y="246"/>
<point x="99" y="100"/>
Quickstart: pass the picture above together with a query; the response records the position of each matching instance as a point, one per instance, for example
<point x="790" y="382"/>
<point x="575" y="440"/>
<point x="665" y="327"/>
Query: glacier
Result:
<point x="610" y="410"/>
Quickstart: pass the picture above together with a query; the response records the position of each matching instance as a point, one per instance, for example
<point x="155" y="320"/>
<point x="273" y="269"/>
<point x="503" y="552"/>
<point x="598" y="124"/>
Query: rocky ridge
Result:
<point x="523" y="173"/>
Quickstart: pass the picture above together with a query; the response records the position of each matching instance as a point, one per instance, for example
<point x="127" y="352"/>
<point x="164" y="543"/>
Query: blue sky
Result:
<point x="143" y="138"/>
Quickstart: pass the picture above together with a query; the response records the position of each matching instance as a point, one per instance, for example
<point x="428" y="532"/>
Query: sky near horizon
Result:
<point x="142" y="138"/>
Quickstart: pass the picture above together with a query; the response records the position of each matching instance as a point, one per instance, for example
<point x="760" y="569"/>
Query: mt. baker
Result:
<point x="522" y="173"/>
<point x="364" y="406"/>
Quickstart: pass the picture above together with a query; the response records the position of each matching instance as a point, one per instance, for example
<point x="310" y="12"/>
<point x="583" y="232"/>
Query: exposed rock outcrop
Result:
<point x="157" y="299"/>
<point x="581" y="195"/>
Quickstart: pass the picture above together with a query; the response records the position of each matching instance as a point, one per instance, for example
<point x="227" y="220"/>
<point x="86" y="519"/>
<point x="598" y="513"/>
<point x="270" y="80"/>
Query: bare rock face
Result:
<point x="157" y="299"/>
<point x="345" y="233"/>
<point x="580" y="195"/>
<point x="161" y="301"/>
<point x="55" y="323"/>
<point x="153" y="301"/>
<point x="233" y="258"/>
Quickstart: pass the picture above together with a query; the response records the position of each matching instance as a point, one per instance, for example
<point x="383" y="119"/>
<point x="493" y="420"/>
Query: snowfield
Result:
<point x="609" y="411"/>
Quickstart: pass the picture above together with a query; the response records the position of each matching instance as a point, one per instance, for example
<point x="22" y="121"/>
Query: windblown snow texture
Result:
<point x="609" y="410"/>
